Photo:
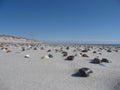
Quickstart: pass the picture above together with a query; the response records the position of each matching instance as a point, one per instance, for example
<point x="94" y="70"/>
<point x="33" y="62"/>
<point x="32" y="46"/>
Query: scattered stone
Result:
<point x="42" y="48"/>
<point x="23" y="48"/>
<point x="105" y="60"/>
<point x="85" y="55"/>
<point x="56" y="50"/>
<point x="109" y="50"/>
<point x="45" y="57"/>
<point x="67" y="48"/>
<point x="96" y="61"/>
<point x="70" y="58"/>
<point x="94" y="52"/>
<point x="35" y="48"/>
<point x="83" y="72"/>
<point x="74" y="50"/>
<point x="65" y="53"/>
<point x="50" y="56"/>
<point x="1" y="45"/>
<point x="77" y="54"/>
<point x="49" y="51"/>
<point x="81" y="54"/>
<point x="116" y="50"/>
<point x="8" y="51"/>
<point x="85" y="50"/>
<point x="27" y="56"/>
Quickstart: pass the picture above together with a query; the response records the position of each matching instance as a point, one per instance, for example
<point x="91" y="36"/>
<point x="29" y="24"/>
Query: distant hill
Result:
<point x="9" y="38"/>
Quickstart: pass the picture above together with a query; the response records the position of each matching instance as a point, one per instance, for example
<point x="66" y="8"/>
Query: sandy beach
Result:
<point x="36" y="71"/>
<point x="59" y="44"/>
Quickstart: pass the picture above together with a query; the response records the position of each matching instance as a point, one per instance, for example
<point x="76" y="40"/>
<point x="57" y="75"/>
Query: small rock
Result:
<point x="85" y="50"/>
<point x="85" y="55"/>
<point x="50" y="56"/>
<point x="65" y="53"/>
<point x="105" y="60"/>
<point x="45" y="57"/>
<point x="84" y="72"/>
<point x="49" y="51"/>
<point x="96" y="61"/>
<point x="67" y="48"/>
<point x="35" y="48"/>
<point x="27" y="56"/>
<point x="70" y="57"/>
<point x="109" y="50"/>
<point x="8" y="51"/>
<point x="94" y="52"/>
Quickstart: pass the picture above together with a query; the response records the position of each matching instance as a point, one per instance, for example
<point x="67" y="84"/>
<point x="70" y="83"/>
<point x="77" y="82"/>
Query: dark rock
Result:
<point x="74" y="50"/>
<point x="35" y="48"/>
<point x="105" y="60"/>
<point x="49" y="51"/>
<point x="116" y="50"/>
<point x="42" y="48"/>
<point x="94" y="52"/>
<point x="70" y="58"/>
<point x="50" y="56"/>
<point x="83" y="72"/>
<point x="8" y="51"/>
<point x="56" y="50"/>
<point x="67" y="48"/>
<point x="85" y="55"/>
<point x="65" y="53"/>
<point x="96" y="61"/>
<point x="23" y="48"/>
<point x="85" y="50"/>
<point x="109" y="50"/>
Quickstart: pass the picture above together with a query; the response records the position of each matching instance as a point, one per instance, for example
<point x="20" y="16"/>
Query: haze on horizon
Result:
<point x="95" y="21"/>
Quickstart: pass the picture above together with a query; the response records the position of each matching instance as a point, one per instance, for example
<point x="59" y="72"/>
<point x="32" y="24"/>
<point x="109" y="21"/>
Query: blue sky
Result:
<point x="89" y="20"/>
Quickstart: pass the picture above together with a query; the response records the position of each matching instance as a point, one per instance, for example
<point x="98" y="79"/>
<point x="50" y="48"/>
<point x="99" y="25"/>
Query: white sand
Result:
<point x="34" y="73"/>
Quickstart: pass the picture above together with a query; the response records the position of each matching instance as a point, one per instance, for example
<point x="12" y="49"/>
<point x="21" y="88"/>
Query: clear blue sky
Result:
<point x="61" y="19"/>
